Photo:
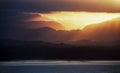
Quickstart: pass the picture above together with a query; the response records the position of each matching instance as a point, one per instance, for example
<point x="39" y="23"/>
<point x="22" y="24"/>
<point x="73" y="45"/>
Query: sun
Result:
<point x="79" y="20"/>
<point x="117" y="0"/>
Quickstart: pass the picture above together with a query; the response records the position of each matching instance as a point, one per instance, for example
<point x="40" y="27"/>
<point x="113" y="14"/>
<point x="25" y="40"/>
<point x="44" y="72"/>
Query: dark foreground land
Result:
<point x="37" y="50"/>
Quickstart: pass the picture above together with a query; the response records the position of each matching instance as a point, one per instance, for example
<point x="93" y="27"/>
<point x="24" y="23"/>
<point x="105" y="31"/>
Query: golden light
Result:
<point x="117" y="0"/>
<point x="78" y="20"/>
<point x="115" y="3"/>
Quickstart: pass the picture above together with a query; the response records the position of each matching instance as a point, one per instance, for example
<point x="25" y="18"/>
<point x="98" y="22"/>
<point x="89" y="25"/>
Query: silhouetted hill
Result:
<point x="16" y="29"/>
<point x="42" y="34"/>
<point x="39" y="50"/>
<point x="106" y="31"/>
<point x="82" y="43"/>
<point x="48" y="34"/>
<point x="40" y="24"/>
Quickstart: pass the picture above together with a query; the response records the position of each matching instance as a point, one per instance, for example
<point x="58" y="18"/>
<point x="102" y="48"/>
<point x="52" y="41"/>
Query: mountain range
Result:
<point x="95" y="42"/>
<point x="108" y="31"/>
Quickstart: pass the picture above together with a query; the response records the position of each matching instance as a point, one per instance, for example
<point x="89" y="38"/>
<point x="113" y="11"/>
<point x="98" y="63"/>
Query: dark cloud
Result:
<point x="106" y="31"/>
<point x="14" y="23"/>
<point x="11" y="22"/>
<point x="13" y="13"/>
<point x="58" y="5"/>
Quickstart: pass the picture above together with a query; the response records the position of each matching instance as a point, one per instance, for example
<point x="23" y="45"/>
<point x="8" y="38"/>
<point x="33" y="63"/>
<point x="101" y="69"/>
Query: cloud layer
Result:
<point x="60" y="5"/>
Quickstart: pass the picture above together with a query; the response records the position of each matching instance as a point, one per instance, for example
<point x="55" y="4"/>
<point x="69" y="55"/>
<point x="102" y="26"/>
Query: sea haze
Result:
<point x="50" y="66"/>
<point x="57" y="62"/>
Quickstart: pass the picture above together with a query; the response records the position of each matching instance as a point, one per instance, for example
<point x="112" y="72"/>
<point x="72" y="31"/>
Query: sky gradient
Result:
<point x="15" y="13"/>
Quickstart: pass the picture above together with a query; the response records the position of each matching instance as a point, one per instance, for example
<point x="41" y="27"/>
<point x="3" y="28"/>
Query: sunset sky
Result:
<point x="72" y="14"/>
<point x="76" y="20"/>
<point x="62" y="5"/>
<point x="59" y="30"/>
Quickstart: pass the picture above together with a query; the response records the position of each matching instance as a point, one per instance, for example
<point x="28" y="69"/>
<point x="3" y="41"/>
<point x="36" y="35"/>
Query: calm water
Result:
<point x="60" y="67"/>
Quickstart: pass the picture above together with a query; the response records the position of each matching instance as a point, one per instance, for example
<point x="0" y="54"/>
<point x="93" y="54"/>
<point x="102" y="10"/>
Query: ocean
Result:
<point x="49" y="66"/>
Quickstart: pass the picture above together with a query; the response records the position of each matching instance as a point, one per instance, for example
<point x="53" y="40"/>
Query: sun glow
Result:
<point x="117" y="0"/>
<point x="78" y="20"/>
